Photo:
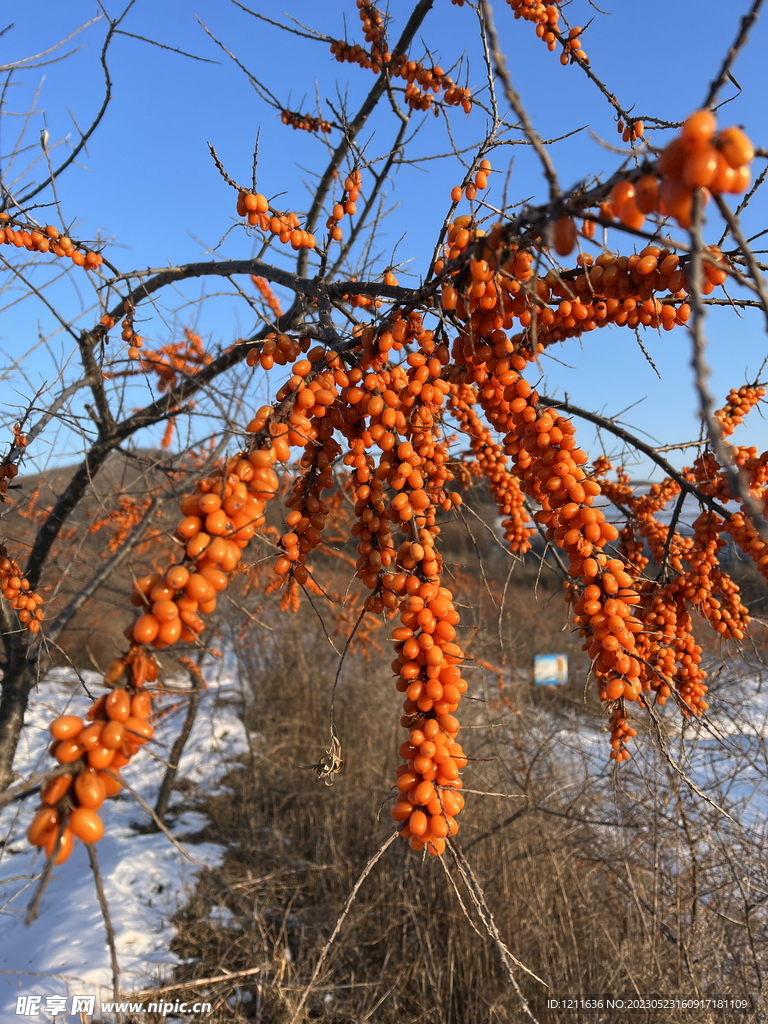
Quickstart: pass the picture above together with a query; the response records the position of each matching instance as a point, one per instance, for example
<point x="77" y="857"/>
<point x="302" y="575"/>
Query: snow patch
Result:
<point x="146" y="879"/>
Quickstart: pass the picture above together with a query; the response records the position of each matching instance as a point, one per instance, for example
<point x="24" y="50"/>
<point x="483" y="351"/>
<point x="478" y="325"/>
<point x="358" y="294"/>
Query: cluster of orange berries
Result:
<point x="728" y="616"/>
<point x="416" y="469"/>
<point x="219" y="520"/>
<point x="630" y="132"/>
<point x="620" y="290"/>
<point x="667" y="637"/>
<point x="375" y="548"/>
<point x="428" y="659"/>
<point x="390" y="336"/>
<point x="470" y="191"/>
<point x="667" y="645"/>
<point x="621" y="731"/>
<point x="265" y="290"/>
<point x="489" y="457"/>
<point x="644" y="510"/>
<point x="423" y="82"/>
<point x="373" y="29"/>
<point x="311" y="391"/>
<point x="19" y="437"/>
<point x="698" y="158"/>
<point x="739" y="402"/>
<point x="642" y="634"/>
<point x="8" y="471"/>
<point x="15" y="589"/>
<point x="620" y="627"/>
<point x="94" y="753"/>
<point x="746" y="535"/>
<point x="305" y="122"/>
<point x="309" y="512"/>
<point x="546" y="17"/>
<point x="427" y="667"/>
<point x="287" y="226"/>
<point x="49" y="239"/>
<point x="127" y="333"/>
<point x="548" y="464"/>
<point x="347" y="206"/>
<point x="277" y="349"/>
<point x="708" y="475"/>
<point x="354" y="53"/>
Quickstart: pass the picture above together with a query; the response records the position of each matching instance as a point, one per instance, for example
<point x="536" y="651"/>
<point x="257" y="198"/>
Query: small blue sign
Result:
<point x="550" y="669"/>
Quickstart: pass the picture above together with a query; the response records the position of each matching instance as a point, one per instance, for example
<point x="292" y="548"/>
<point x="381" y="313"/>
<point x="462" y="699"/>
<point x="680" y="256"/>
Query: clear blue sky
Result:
<point x="148" y="184"/>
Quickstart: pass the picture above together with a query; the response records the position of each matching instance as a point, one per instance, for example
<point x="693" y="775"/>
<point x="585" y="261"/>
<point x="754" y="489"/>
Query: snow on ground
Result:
<point x="146" y="878"/>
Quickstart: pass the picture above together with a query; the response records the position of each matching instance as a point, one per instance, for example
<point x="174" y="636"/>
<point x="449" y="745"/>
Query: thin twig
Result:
<point x="342" y="917"/>
<point x="738" y="487"/>
<point x="725" y="70"/>
<point x="150" y="811"/>
<point x="109" y="930"/>
<point x="516" y="103"/>
<point x="478" y="898"/>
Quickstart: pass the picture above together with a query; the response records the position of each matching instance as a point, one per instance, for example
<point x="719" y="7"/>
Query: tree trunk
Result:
<point x="19" y="678"/>
<point x="178" y="748"/>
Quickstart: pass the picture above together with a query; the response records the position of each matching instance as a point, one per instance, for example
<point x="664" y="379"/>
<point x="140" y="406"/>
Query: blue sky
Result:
<point x="148" y="184"/>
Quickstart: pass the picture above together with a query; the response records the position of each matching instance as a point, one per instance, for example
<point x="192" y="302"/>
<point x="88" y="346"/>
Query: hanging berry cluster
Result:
<point x="648" y="288"/>
<point x="8" y="470"/>
<point x="546" y="18"/>
<point x="470" y="191"/>
<point x="630" y="132"/>
<point x="276" y="349"/>
<point x="423" y="82"/>
<point x="16" y="590"/>
<point x="265" y="290"/>
<point x="637" y="631"/>
<point x="347" y="205"/>
<point x="739" y="402"/>
<point x="47" y="239"/>
<point x="286" y="226"/>
<point x="94" y="754"/>
<point x="305" y="122"/>
<point x="700" y="157"/>
<point x="429" y="675"/>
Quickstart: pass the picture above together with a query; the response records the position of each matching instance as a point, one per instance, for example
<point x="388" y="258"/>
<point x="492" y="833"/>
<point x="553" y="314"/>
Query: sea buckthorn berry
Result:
<point x="699" y="128"/>
<point x="564" y="236"/>
<point x="86" y="824"/>
<point x="55" y="789"/>
<point x="66" y="727"/>
<point x="45" y="822"/>
<point x="89" y="791"/>
<point x="66" y="844"/>
<point x="735" y="146"/>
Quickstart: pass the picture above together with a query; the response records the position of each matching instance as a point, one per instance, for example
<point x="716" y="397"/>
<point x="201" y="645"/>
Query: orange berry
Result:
<point x="564" y="236"/>
<point x="86" y="824"/>
<point x="66" y="727"/>
<point x="89" y="790"/>
<point x="699" y="128"/>
<point x="735" y="146"/>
